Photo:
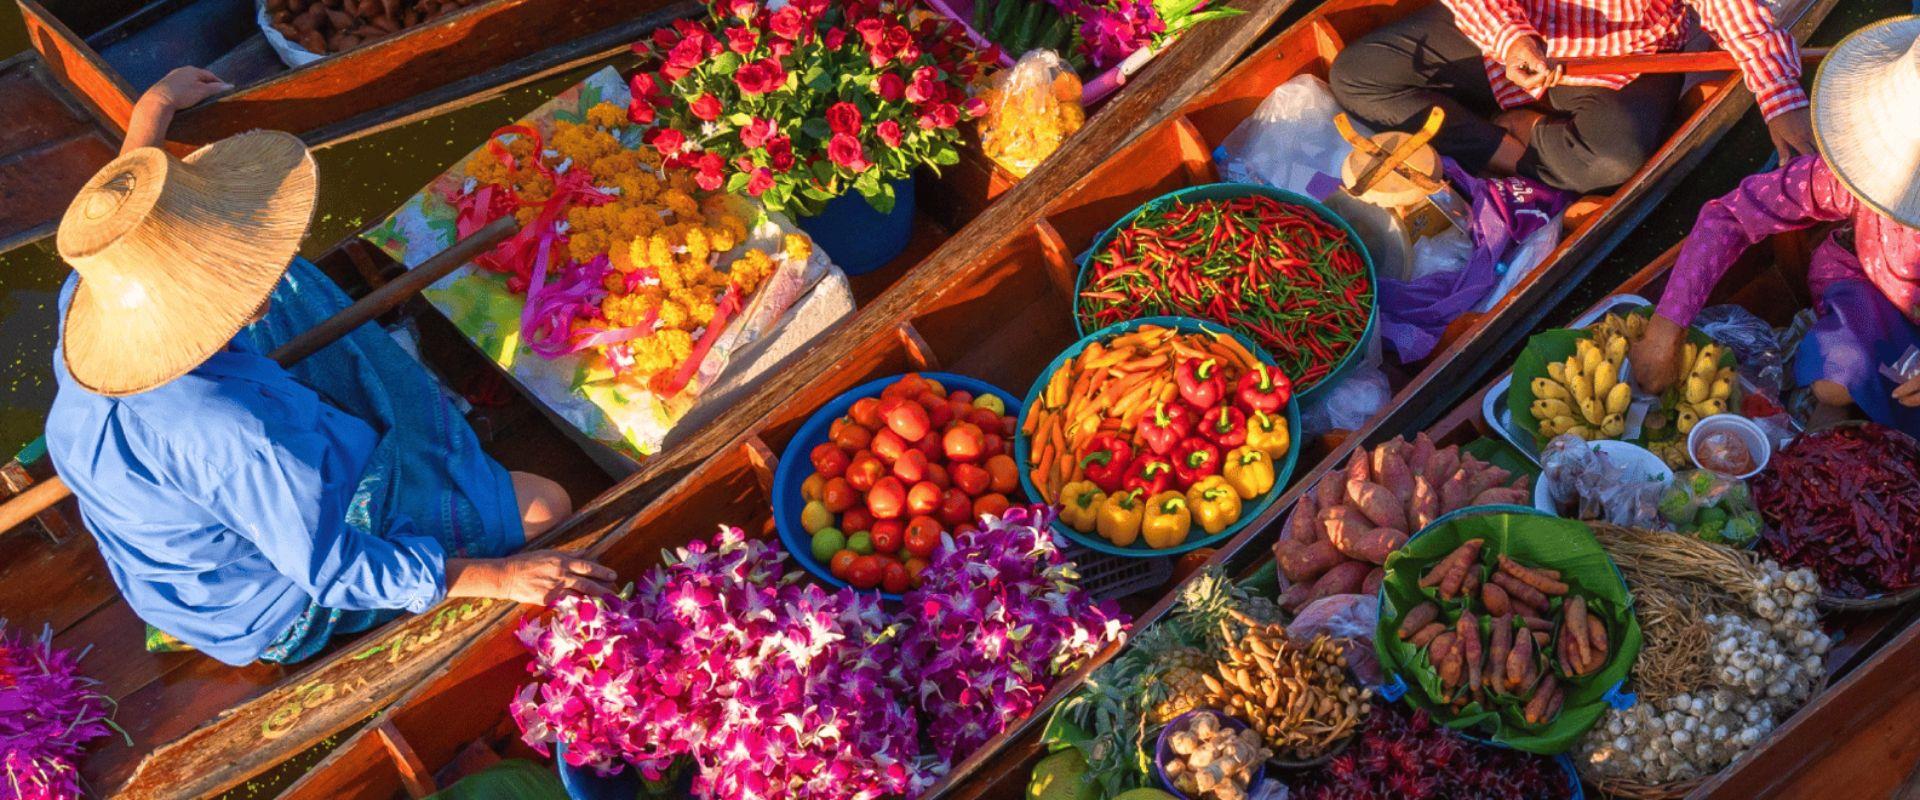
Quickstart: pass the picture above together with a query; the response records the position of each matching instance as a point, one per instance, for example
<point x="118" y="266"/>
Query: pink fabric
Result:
<point x="1767" y="56"/>
<point x="1800" y="195"/>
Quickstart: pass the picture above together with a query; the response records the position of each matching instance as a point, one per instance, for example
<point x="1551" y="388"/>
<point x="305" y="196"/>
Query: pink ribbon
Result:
<point x="728" y="306"/>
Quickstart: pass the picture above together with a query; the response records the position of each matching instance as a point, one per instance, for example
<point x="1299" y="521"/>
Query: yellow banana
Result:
<point x="1543" y="387"/>
<point x="1557" y="371"/>
<point x="1589" y="356"/>
<point x="1613" y="425"/>
<point x="1548" y="408"/>
<point x="1619" y="398"/>
<point x="1605" y="377"/>
<point x="1697" y="389"/>
<point x="1721" y="389"/>
<point x="1591" y="410"/>
<point x="1636" y="325"/>
<point x="1616" y="348"/>
<point x="1583" y="432"/>
<point x="1562" y="424"/>
<point x="1687" y="419"/>
<point x="1687" y="356"/>
<point x="1581" y="389"/>
<point x="1711" y="407"/>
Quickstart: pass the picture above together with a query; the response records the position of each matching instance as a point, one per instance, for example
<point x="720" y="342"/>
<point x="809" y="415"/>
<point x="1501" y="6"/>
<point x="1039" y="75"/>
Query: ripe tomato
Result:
<point x="838" y="495"/>
<point x="938" y="474"/>
<point x="938" y="412"/>
<point x="888" y="499"/>
<point x="972" y="479"/>
<point x="909" y="385"/>
<point x="849" y="435"/>
<point x="865" y="471"/>
<point x="994" y="504"/>
<point x="915" y="566"/>
<point x="1007" y="427"/>
<point x="963" y="442"/>
<point x="842" y="561"/>
<point x="992" y="445"/>
<point x="856" y="519"/>
<point x="866" y="411"/>
<point x="895" y="578"/>
<point x="829" y="460"/>
<point x="956" y="508"/>
<point x="887" y="540"/>
<point x="923" y="535"/>
<point x="935" y="386"/>
<point x="906" y="417"/>
<point x="984" y="419"/>
<point x="888" y="445"/>
<point x="810" y="488"/>
<point x="911" y="467"/>
<point x="923" y="498"/>
<point x="866" y="572"/>
<point x="930" y="445"/>
<point x="1004" y="473"/>
<point x="960" y="397"/>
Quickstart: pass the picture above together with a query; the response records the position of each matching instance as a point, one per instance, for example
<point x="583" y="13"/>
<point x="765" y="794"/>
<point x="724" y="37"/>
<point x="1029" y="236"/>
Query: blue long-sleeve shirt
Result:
<point x="219" y="501"/>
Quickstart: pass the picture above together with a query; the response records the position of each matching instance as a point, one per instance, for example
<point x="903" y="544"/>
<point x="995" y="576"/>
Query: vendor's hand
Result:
<point x="538" y="577"/>
<point x="1529" y="66"/>
<point x="1792" y="134"/>
<point x="1908" y="394"/>
<point x="184" y="87"/>
<point x="1656" y="357"/>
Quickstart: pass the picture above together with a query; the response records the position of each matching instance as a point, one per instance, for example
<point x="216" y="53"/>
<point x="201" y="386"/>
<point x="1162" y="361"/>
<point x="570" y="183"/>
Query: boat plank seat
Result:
<point x="49" y="147"/>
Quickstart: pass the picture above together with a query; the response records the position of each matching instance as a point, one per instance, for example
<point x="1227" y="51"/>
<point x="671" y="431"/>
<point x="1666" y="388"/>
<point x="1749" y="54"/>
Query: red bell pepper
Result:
<point x="1226" y="426"/>
<point x="1200" y="383"/>
<point x="1265" y="390"/>
<point x="1194" y="459"/>
<point x="1163" y="429"/>
<point x="1106" y="461"/>
<point x="1150" y="474"/>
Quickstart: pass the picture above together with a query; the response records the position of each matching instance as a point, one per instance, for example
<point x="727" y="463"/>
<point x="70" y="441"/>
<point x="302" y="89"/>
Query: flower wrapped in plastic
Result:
<point x="48" y="713"/>
<point x="999" y="616"/>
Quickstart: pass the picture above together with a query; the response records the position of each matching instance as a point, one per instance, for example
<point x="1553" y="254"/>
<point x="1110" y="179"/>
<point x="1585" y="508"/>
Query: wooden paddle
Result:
<point x="1647" y="63"/>
<point x="41" y="496"/>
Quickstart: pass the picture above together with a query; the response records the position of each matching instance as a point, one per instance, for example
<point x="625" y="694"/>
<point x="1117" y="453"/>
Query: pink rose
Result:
<point x="753" y="79"/>
<point x="845" y="151"/>
<point x="668" y="141"/>
<point x="682" y="59"/>
<point x="640" y="112"/>
<point x="926" y="86"/>
<point x="788" y="23"/>
<point x="900" y="44"/>
<point x="757" y="133"/>
<point x="835" y="37"/>
<point x="707" y="107"/>
<point x="759" y="182"/>
<point x="780" y="153"/>
<point x="843" y="117"/>
<point x="889" y="132"/>
<point x="940" y="115"/>
<point x="707" y="173"/>
<point x="890" y="87"/>
<point x="781" y="48"/>
<point x="744" y="9"/>
<point x="741" y="40"/>
<point x="974" y="106"/>
<point x="871" y="30"/>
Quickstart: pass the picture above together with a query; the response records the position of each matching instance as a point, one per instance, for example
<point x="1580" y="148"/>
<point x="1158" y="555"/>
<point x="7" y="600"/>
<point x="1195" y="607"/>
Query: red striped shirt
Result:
<point x="1767" y="56"/>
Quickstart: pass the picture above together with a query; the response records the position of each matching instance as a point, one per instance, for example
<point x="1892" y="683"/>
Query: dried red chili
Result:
<point x="1278" y="273"/>
<point x="1845" y="502"/>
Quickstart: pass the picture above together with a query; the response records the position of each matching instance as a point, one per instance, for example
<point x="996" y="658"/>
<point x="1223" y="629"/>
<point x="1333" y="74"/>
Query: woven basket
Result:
<point x="1633" y="790"/>
<point x="1834" y="602"/>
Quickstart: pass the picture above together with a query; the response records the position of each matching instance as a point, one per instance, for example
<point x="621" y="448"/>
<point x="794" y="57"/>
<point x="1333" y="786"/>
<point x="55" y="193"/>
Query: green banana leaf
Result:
<point x="1503" y="455"/>
<point x="1535" y="540"/>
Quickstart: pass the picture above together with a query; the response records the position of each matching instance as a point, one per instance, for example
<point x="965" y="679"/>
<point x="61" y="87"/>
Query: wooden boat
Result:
<point x="200" y="728"/>
<point x="994" y="305"/>
<point x="1852" y="728"/>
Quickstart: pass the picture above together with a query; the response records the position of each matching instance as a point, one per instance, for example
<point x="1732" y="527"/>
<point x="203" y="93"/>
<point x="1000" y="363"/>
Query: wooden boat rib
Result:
<point x="200" y="727"/>
<point x="996" y="307"/>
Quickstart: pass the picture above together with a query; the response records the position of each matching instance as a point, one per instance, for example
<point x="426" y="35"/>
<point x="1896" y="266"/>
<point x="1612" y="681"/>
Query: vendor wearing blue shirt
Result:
<point x="251" y="511"/>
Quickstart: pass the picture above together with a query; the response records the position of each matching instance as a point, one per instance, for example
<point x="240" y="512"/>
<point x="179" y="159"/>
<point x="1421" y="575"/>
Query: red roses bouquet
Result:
<point x="804" y="103"/>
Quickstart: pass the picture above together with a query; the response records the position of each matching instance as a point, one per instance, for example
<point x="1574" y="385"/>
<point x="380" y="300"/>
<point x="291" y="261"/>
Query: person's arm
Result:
<point x="1769" y="62"/>
<point x="1492" y="25"/>
<point x="153" y="112"/>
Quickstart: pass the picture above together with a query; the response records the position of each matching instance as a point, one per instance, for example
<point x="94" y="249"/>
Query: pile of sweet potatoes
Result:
<point x="330" y="26"/>
<point x="1342" y="532"/>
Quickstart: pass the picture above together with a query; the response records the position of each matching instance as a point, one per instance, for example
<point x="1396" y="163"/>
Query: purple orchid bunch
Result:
<point x="999" y="616"/>
<point x="48" y="713"/>
<point x="1111" y="30"/>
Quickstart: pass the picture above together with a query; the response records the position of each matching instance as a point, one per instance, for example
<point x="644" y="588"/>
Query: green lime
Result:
<point x="861" y="542"/>
<point x="826" y="542"/>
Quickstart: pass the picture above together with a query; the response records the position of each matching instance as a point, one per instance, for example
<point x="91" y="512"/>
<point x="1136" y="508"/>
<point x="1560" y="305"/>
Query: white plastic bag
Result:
<point x="1352" y="399"/>
<point x="291" y="53"/>
<point x="1289" y="139"/>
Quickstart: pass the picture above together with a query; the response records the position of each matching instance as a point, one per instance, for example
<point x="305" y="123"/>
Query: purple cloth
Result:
<point x="1857" y="330"/>
<point x="1800" y="195"/>
<point x="1506" y="211"/>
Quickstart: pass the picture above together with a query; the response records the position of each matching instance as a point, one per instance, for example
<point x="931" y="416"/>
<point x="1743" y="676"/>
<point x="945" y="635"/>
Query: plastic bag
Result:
<point x="1351" y="399"/>
<point x="1289" y="139"/>
<point x="1586" y="484"/>
<point x="1755" y="346"/>
<point x="1715" y="509"/>
<point x="1352" y="618"/>
<point x="1031" y="109"/>
<point x="1904" y="368"/>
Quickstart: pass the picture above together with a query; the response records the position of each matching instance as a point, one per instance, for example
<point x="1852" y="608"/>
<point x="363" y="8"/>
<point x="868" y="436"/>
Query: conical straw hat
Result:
<point x="176" y="255"/>
<point x="1866" y="101"/>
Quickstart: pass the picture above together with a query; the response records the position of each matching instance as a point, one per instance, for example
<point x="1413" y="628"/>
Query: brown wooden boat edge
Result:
<point x="214" y="747"/>
<point x="76" y="65"/>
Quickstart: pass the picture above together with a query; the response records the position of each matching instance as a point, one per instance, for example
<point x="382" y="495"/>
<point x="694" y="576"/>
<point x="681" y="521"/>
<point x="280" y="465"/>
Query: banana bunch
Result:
<point x="1673" y="452"/>
<point x="1584" y="395"/>
<point x="1706" y="389"/>
<point x="1625" y="326"/>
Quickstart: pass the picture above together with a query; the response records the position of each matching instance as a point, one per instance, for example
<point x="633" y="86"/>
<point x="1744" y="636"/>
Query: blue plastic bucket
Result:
<point x="858" y="238"/>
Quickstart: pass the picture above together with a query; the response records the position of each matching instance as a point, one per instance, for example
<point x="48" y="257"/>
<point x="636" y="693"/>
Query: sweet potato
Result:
<point x="1554" y="702"/>
<point x="1302" y="525"/>
<point x="1519" y="661"/>
<point x="1451" y="667"/>
<point x="1372" y="545"/>
<point x="1501" y="496"/>
<point x="1303" y="563"/>
<point x="1536" y="711"/>
<point x="1342" y="523"/>
<point x="1470" y="585"/>
<point x="1501" y="645"/>
<point x="1417" y="618"/>
<point x="1428" y="634"/>
<point x="1372" y="584"/>
<point x="1358" y="467"/>
<point x="1343" y="579"/>
<point x="1486" y="478"/>
<point x="1442" y="465"/>
<point x="1378" y="503"/>
<point x="1331" y="491"/>
<point x="1495" y="599"/>
<point x="1468" y="628"/>
<point x="1447" y="565"/>
<point x="1453" y="493"/>
<point x="1451" y="585"/>
<point x="1442" y="646"/>
<point x="1295" y="596"/>
<point x="1424" y="506"/>
<point x="1545" y="581"/>
<point x="1519" y="592"/>
<point x="1391" y="471"/>
<point x="1574" y="629"/>
<point x="1597" y="640"/>
<point x="1420" y="454"/>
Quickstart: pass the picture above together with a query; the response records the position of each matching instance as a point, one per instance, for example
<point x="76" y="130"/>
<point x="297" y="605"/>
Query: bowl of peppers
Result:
<point x="1158" y="436"/>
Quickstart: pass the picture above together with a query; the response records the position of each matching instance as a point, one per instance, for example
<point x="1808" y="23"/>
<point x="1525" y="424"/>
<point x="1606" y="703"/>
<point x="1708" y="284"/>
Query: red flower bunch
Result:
<point x="803" y="104"/>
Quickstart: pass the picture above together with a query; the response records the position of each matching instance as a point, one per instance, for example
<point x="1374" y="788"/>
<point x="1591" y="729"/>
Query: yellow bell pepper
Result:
<point x="1213" y="503"/>
<point x="1248" y="471"/>
<point x="1167" y="521"/>
<point x="1268" y="434"/>
<point x="1120" y="517"/>
<point x="1080" y="503"/>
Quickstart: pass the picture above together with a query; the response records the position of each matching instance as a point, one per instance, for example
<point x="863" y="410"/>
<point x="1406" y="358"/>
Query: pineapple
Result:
<point x="1176" y="686"/>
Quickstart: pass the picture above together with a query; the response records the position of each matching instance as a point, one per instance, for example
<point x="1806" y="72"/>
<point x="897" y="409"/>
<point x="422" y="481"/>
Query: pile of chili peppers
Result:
<point x="1274" y="271"/>
<point x="1404" y="755"/>
<point x="1845" y="502"/>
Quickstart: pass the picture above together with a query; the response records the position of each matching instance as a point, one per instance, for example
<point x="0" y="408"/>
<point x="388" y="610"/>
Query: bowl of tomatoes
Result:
<point x="873" y="480"/>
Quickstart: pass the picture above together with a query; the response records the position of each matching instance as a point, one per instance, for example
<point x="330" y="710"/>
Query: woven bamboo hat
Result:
<point x="176" y="255"/>
<point x="1866" y="89"/>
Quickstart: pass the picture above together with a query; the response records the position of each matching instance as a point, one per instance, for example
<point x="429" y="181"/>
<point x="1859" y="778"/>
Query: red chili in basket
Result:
<point x="1845" y="502"/>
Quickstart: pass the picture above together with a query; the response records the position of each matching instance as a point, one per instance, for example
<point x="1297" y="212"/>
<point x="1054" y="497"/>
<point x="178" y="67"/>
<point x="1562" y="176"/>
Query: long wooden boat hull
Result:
<point x="200" y="728"/>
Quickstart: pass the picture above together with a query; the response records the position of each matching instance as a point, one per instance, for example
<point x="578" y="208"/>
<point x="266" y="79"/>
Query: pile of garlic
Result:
<point x="1213" y="760"/>
<point x="1765" y="666"/>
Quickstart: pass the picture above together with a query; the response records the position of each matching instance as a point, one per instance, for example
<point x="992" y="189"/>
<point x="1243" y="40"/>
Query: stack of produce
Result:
<point x="330" y="26"/>
<point x="1716" y="509"/>
<point x="1403" y="754"/>
<point x="1732" y="646"/>
<point x="1213" y="760"/>
<point x="49" y="712"/>
<point x="1278" y="273"/>
<point x="1842" y="503"/>
<point x="1515" y="635"/>
<point x="1342" y="532"/>
<point x="898" y="471"/>
<point x="1297" y="696"/>
<point x="1586" y="395"/>
<point x="722" y="639"/>
<point x="1154" y="433"/>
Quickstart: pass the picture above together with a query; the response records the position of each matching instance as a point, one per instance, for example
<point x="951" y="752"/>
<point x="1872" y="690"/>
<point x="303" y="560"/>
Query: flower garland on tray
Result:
<point x="48" y="713"/>
<point x="619" y="253"/>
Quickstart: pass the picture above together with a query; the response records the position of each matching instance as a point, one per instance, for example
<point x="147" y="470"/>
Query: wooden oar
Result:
<point x="1649" y="63"/>
<point x="41" y="496"/>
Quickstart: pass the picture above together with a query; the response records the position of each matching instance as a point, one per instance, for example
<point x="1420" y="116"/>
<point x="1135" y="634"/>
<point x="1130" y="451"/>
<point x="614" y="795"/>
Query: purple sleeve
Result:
<point x="1799" y="195"/>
